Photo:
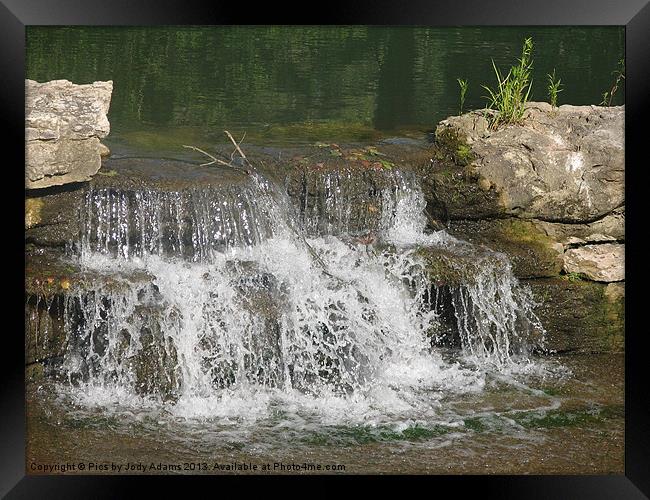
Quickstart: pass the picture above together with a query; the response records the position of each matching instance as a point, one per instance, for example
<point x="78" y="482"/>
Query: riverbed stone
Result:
<point x="604" y="262"/>
<point x="64" y="123"/>
<point x="561" y="164"/>
<point x="579" y="315"/>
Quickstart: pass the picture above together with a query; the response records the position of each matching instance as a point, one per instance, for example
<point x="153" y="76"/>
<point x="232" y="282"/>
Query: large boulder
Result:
<point x="64" y="123"/>
<point x="561" y="164"/>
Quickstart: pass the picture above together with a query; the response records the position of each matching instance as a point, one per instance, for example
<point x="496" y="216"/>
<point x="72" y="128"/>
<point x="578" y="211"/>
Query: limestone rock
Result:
<point x="604" y="262"/>
<point x="64" y="123"/>
<point x="610" y="228"/>
<point x="563" y="165"/>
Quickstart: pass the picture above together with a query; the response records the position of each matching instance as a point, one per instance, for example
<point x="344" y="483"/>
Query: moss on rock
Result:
<point x="580" y="316"/>
<point x="453" y="187"/>
<point x="532" y="253"/>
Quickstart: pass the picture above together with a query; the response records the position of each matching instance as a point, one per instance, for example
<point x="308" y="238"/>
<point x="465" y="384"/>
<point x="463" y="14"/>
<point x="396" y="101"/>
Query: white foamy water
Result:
<point x="243" y="317"/>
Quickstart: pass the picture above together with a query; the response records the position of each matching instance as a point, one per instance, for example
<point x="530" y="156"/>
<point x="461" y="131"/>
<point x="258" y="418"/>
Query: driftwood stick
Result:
<point x="234" y="142"/>
<point x="215" y="160"/>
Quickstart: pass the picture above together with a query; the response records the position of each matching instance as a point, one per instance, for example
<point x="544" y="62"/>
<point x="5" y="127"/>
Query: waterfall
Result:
<point x="248" y="293"/>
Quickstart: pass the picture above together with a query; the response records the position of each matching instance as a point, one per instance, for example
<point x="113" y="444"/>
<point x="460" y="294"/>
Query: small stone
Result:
<point x="484" y="184"/>
<point x="604" y="262"/>
<point x="104" y="152"/>
<point x="615" y="292"/>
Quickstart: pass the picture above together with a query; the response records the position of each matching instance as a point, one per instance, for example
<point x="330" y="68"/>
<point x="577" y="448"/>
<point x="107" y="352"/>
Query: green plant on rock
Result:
<point x="509" y="99"/>
<point x="463" y="90"/>
<point x="619" y="73"/>
<point x="453" y="147"/>
<point x="554" y="88"/>
<point x="573" y="277"/>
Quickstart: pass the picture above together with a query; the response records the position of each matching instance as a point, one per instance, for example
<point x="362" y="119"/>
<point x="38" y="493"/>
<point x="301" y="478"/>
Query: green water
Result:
<point x="301" y="84"/>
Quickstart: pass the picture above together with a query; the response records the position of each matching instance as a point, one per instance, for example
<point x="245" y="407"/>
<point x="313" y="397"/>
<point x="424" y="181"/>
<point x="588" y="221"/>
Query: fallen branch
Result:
<point x="215" y="160"/>
<point x="291" y="223"/>
<point x="238" y="149"/>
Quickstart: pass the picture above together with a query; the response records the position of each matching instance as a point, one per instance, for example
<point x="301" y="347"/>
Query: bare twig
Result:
<point x="215" y="160"/>
<point x="234" y="142"/>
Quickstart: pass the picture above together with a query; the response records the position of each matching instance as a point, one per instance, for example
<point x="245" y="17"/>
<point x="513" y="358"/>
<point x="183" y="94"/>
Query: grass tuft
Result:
<point x="463" y="90"/>
<point x="554" y="88"/>
<point x="619" y="73"/>
<point x="513" y="90"/>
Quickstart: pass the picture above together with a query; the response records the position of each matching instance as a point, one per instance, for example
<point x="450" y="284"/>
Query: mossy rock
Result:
<point x="533" y="254"/>
<point x="447" y="268"/>
<point x="51" y="217"/>
<point x="454" y="188"/>
<point x="581" y="316"/>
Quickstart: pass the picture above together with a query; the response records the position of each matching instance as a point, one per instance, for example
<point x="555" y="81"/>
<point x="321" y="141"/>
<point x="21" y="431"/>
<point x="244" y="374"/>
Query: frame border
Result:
<point x="634" y="14"/>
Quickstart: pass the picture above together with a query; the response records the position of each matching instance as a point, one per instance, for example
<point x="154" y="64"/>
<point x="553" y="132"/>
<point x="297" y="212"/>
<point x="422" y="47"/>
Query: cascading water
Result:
<point x="249" y="305"/>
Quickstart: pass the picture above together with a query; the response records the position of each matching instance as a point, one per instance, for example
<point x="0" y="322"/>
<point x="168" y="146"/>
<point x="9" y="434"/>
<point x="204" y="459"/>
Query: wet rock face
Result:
<point x="563" y="165"/>
<point x="52" y="218"/>
<point x="532" y="253"/>
<point x="64" y="124"/>
<point x="45" y="338"/>
<point x="579" y="315"/>
<point x="338" y="199"/>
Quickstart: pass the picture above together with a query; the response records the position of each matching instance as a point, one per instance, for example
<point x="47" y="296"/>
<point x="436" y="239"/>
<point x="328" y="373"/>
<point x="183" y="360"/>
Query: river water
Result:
<point x="569" y="425"/>
<point x="184" y="85"/>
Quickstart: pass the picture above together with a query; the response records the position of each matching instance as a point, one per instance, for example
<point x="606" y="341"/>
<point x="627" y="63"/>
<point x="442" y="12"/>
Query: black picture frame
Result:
<point x="633" y="14"/>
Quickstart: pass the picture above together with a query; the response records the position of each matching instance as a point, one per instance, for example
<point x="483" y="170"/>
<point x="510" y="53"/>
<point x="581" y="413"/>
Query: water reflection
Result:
<point x="330" y="80"/>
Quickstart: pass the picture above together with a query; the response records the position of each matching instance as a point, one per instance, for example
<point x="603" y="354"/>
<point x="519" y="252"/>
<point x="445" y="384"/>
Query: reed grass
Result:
<point x="619" y="73"/>
<point x="510" y="96"/>
<point x="554" y="88"/>
<point x="463" y="90"/>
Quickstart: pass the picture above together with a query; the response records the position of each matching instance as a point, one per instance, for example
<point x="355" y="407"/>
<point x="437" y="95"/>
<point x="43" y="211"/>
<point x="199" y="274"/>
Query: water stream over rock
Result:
<point x="254" y="302"/>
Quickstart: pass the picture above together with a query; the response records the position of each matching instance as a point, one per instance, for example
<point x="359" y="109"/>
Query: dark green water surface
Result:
<point x="175" y="85"/>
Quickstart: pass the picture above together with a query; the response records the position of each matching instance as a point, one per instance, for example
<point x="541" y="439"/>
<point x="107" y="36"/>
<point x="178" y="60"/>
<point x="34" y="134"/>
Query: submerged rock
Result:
<point x="64" y="123"/>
